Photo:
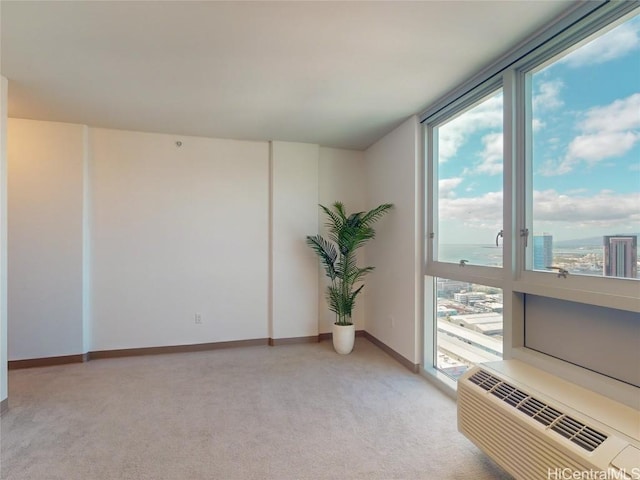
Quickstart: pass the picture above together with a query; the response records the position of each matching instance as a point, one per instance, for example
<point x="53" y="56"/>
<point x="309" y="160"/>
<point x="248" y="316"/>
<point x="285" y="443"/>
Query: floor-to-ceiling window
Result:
<point x="583" y="144"/>
<point x="532" y="189"/>
<point x="465" y="248"/>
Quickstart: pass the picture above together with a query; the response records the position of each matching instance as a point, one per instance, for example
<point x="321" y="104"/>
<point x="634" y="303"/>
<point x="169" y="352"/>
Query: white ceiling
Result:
<point x="338" y="74"/>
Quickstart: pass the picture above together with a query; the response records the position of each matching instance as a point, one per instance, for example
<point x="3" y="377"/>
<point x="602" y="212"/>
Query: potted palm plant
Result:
<point x="347" y="233"/>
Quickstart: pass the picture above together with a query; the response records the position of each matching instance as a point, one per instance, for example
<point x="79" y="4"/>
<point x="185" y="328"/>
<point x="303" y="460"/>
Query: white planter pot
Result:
<point x="343" y="338"/>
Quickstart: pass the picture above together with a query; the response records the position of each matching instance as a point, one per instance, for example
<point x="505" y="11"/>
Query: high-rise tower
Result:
<point x="620" y="256"/>
<point x="542" y="251"/>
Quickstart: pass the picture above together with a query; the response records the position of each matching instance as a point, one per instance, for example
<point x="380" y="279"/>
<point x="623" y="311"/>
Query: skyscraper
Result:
<point x="542" y="251"/>
<point x="620" y="256"/>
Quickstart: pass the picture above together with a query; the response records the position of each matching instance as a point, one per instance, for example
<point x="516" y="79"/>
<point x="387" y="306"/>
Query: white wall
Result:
<point x="86" y="245"/>
<point x="393" y="300"/>
<point x="177" y="231"/>
<point x="603" y="340"/>
<point x="119" y="238"/>
<point x="3" y="239"/>
<point x="342" y="177"/>
<point x="45" y="202"/>
<point x="294" y="267"/>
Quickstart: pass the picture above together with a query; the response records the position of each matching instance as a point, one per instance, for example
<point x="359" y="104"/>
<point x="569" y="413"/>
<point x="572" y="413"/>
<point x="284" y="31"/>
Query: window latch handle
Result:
<point x="561" y="271"/>
<point x="524" y="232"/>
<point x="500" y="234"/>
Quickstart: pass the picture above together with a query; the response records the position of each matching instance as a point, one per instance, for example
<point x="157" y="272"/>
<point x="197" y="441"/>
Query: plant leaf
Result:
<point x="327" y="253"/>
<point x="347" y="233"/>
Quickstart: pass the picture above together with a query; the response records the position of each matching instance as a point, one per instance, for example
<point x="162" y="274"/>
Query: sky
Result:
<point x="585" y="122"/>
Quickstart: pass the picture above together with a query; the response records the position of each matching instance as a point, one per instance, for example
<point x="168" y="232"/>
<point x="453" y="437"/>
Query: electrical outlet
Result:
<point x="198" y="318"/>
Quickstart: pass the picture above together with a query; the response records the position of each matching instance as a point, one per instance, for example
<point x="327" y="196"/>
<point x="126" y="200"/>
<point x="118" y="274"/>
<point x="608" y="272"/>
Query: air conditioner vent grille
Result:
<point x="484" y="380"/>
<point x="547" y="415"/>
<point x="579" y="433"/>
<point x="570" y="428"/>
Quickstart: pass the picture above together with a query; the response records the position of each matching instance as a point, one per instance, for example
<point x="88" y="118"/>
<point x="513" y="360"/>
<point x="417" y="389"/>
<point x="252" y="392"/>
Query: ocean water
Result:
<point x="578" y="259"/>
<point x="486" y="255"/>
<point x="490" y="255"/>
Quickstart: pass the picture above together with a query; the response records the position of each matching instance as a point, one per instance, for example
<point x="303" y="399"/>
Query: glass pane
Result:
<point x="469" y="319"/>
<point x="585" y="154"/>
<point x="469" y="196"/>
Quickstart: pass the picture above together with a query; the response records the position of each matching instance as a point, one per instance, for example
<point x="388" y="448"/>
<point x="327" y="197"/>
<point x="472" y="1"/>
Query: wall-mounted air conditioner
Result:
<point x="537" y="426"/>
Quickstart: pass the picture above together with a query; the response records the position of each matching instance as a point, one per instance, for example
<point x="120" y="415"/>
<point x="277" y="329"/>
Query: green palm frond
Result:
<point x="354" y="294"/>
<point x="327" y="253"/>
<point x="359" y="274"/>
<point x="374" y="215"/>
<point x="346" y="234"/>
<point x="334" y="222"/>
<point x="339" y="208"/>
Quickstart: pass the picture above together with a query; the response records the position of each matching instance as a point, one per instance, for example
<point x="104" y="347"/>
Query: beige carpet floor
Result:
<point x="286" y="412"/>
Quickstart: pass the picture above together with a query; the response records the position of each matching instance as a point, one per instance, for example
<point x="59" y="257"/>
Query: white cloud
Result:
<point x="486" y="209"/>
<point x="595" y="147"/>
<point x="446" y="187"/>
<point x="492" y="155"/>
<point x="551" y="168"/>
<point x="605" y="209"/>
<point x="607" y="131"/>
<point x="537" y="124"/>
<point x="614" y="44"/>
<point x="471" y="187"/>
<point x="567" y="215"/>
<point x="546" y="98"/>
<point x="453" y="134"/>
<point x="548" y="95"/>
<point x="621" y="115"/>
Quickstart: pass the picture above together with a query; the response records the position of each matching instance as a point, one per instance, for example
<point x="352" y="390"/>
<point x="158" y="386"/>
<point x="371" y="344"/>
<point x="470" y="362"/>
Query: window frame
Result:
<point x="485" y="275"/>
<point x="612" y="292"/>
<point x="516" y="281"/>
<point x="476" y="274"/>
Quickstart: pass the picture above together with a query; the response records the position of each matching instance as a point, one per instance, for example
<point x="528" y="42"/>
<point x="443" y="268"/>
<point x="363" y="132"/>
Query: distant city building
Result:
<point x="443" y="311"/>
<point x="620" y="256"/>
<point x="446" y="286"/>
<point x="469" y="298"/>
<point x="486" y="323"/>
<point x="494" y="306"/>
<point x="542" y="251"/>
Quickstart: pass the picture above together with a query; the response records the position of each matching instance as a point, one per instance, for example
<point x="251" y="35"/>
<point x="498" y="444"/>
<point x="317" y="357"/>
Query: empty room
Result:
<point x="287" y="240"/>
